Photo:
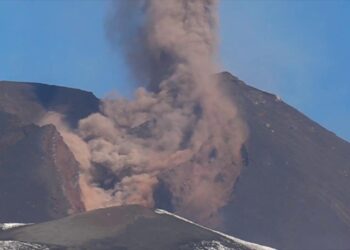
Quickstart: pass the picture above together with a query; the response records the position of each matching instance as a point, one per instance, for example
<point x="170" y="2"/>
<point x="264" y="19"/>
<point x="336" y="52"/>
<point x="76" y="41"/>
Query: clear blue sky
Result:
<point x="299" y="50"/>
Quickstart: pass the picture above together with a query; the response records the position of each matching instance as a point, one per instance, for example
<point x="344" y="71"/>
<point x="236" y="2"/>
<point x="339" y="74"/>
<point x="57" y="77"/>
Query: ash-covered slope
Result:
<point x="127" y="227"/>
<point x="294" y="192"/>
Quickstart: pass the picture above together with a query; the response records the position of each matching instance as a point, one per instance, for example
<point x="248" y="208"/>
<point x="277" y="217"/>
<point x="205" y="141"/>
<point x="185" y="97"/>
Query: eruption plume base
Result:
<point x="180" y="131"/>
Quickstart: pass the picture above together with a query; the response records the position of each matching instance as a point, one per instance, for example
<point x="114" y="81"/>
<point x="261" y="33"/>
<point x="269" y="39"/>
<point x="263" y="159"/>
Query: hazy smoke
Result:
<point x="179" y="129"/>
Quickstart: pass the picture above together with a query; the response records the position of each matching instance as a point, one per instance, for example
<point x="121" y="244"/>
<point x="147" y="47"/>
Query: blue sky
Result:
<point x="296" y="49"/>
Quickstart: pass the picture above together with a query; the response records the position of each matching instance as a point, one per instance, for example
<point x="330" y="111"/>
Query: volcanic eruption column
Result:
<point x="180" y="129"/>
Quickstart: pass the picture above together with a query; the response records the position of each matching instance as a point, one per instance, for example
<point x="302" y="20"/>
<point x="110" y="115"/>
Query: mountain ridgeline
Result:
<point x="122" y="228"/>
<point x="293" y="191"/>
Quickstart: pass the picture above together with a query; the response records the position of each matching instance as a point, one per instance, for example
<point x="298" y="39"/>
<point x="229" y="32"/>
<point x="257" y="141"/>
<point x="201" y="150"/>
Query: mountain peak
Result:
<point x="292" y="192"/>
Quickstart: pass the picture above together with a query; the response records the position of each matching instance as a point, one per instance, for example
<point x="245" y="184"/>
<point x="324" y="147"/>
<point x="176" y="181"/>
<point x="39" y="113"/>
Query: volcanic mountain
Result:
<point x="121" y="228"/>
<point x="293" y="191"/>
<point x="38" y="173"/>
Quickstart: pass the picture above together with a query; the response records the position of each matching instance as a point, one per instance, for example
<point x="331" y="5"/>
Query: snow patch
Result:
<point x="245" y="243"/>
<point x="17" y="245"/>
<point x="210" y="245"/>
<point x="7" y="226"/>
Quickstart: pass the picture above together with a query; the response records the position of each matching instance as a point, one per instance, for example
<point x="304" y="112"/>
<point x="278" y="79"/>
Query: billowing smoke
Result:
<point x="179" y="133"/>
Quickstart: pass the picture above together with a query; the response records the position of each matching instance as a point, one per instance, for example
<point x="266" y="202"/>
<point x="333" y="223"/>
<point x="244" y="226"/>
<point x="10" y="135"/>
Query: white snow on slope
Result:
<point x="215" y="245"/>
<point x="245" y="243"/>
<point x="17" y="245"/>
<point x="210" y="245"/>
<point x="7" y="226"/>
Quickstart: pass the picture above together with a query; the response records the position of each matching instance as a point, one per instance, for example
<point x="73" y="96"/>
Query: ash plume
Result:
<point x="179" y="128"/>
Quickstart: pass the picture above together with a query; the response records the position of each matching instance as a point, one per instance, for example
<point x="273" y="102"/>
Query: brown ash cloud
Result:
<point x="179" y="130"/>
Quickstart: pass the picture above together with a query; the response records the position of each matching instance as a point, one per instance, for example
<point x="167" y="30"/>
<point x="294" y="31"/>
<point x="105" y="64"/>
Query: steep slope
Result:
<point x="128" y="227"/>
<point x="294" y="192"/>
<point x="38" y="173"/>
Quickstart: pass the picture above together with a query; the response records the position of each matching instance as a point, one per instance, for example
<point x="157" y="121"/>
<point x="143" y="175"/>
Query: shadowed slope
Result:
<point x="38" y="173"/>
<point x="294" y="192"/>
<point x="29" y="101"/>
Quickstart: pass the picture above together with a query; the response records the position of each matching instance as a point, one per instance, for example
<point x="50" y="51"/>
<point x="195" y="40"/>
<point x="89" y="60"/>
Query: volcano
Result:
<point x="293" y="191"/>
<point x="120" y="228"/>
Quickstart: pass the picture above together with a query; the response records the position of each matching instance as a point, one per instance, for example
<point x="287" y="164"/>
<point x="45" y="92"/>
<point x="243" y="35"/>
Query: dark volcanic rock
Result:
<point x="38" y="173"/>
<point x="29" y="101"/>
<point x="294" y="192"/>
<point x="127" y="228"/>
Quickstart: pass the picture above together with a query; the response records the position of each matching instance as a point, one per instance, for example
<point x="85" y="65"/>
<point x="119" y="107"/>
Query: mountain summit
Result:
<point x="292" y="193"/>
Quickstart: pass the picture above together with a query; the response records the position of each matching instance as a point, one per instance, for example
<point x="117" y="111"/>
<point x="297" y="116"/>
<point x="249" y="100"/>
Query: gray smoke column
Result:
<point x="179" y="132"/>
